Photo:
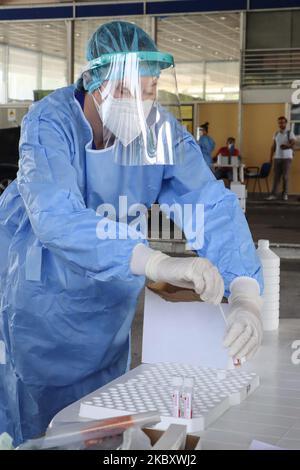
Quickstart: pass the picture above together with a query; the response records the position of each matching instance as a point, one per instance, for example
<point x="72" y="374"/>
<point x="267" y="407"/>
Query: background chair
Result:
<point x="9" y="155"/>
<point x="257" y="174"/>
<point x="7" y="174"/>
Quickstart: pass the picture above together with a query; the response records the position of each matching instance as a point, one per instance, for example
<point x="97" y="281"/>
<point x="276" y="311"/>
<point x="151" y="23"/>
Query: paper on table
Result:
<point x="259" y="445"/>
<point x="183" y="332"/>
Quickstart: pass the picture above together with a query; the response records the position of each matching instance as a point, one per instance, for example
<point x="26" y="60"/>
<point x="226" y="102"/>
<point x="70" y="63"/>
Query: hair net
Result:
<point x="116" y="36"/>
<point x="205" y="126"/>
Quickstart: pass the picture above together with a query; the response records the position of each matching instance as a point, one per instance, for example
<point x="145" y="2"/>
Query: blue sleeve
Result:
<point x="214" y="224"/>
<point x="48" y="185"/>
<point x="10" y="216"/>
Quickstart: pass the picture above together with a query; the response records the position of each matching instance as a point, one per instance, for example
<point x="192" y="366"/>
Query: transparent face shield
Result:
<point x="139" y="108"/>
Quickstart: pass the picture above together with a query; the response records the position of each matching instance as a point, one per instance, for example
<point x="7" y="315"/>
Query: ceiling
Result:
<point x="190" y="38"/>
<point x="46" y="37"/>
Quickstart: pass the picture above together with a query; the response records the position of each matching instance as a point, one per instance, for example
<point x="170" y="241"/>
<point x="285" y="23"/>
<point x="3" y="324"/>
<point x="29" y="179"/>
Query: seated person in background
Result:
<point x="229" y="150"/>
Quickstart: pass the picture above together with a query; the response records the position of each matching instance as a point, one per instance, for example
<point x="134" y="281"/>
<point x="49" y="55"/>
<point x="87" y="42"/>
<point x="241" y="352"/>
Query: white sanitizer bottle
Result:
<point x="271" y="296"/>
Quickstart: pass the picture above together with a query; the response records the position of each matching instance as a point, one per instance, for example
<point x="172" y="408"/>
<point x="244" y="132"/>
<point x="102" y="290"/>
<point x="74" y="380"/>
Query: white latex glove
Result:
<point x="245" y="330"/>
<point x="193" y="273"/>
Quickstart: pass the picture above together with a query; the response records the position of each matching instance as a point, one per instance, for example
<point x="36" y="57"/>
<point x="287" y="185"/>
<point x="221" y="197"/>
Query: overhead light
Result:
<point x="33" y="45"/>
<point x="47" y="25"/>
<point x="222" y="18"/>
<point x="77" y="35"/>
<point x="216" y="53"/>
<point x="199" y="47"/>
<point x="179" y="39"/>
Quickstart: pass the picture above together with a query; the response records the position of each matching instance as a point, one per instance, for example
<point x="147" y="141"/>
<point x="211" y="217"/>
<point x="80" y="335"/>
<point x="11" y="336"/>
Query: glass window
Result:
<point x="206" y="48"/>
<point x="296" y="129"/>
<point x="222" y="81"/>
<point x="273" y="30"/>
<point x="295" y="112"/>
<point x="190" y="81"/>
<point x="2" y="82"/>
<point x="269" y="30"/>
<point x="22" y="74"/>
<point x="36" y="54"/>
<point x="295" y="29"/>
<point x="187" y="115"/>
<point x="54" y="72"/>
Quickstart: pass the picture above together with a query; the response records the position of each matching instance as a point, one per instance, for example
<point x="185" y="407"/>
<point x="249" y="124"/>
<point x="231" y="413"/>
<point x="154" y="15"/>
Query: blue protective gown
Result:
<point x="67" y="297"/>
<point x="207" y="145"/>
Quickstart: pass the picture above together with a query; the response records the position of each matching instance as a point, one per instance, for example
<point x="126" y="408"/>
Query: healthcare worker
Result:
<point x="68" y="288"/>
<point x="206" y="144"/>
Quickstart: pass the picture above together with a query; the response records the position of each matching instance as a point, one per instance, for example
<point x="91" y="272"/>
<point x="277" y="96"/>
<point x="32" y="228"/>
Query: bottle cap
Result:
<point x="263" y="244"/>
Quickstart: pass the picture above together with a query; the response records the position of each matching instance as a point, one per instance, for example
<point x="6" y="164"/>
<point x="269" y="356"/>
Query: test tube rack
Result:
<point x="149" y="388"/>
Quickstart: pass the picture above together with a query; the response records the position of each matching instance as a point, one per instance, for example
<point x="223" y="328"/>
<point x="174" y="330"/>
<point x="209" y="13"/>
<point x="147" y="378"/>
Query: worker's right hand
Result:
<point x="193" y="273"/>
<point x="245" y="328"/>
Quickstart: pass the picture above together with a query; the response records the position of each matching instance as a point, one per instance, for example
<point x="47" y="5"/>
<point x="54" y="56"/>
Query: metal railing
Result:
<point x="276" y="68"/>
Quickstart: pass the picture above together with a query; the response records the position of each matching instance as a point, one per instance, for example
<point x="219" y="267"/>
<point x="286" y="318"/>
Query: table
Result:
<point x="271" y="414"/>
<point x="236" y="177"/>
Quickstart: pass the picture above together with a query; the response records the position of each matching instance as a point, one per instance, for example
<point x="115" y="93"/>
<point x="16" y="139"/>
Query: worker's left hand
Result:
<point x="245" y="330"/>
<point x="191" y="273"/>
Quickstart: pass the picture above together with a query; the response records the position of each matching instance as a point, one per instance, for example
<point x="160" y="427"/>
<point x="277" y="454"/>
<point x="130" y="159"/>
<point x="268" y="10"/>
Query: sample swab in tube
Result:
<point x="223" y="314"/>
<point x="236" y="361"/>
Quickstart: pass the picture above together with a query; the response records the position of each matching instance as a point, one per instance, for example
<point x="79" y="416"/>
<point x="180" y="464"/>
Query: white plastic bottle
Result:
<point x="271" y="272"/>
<point x="187" y="397"/>
<point x="177" y="383"/>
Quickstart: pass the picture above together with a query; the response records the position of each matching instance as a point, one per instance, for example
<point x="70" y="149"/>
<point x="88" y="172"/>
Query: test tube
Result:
<point x="187" y="397"/>
<point x="176" y="396"/>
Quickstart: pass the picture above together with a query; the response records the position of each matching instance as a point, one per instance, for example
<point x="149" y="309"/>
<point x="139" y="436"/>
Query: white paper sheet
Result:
<point x="259" y="445"/>
<point x="183" y="332"/>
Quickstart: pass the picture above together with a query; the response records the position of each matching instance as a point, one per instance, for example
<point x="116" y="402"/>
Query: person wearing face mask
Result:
<point x="229" y="150"/>
<point x="206" y="144"/>
<point x="282" y="151"/>
<point x="68" y="288"/>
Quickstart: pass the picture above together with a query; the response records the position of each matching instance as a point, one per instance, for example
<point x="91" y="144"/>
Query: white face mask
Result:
<point x="124" y="117"/>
